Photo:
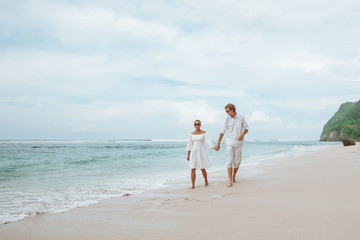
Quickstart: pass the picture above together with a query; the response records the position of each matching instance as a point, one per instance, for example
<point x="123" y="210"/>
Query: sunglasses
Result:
<point x="197" y="124"/>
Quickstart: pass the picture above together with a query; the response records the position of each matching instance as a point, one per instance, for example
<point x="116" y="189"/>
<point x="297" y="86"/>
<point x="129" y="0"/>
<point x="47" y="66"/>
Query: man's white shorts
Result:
<point x="233" y="156"/>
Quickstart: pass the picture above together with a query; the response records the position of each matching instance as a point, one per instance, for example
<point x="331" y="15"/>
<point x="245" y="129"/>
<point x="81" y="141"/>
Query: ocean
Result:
<point x="45" y="177"/>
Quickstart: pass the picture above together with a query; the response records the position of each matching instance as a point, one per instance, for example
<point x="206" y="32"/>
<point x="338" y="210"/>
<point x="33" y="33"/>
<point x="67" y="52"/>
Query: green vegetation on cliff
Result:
<point x="344" y="124"/>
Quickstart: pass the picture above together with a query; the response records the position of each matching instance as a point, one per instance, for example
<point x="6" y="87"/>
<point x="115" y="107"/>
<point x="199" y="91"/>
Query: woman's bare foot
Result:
<point x="229" y="185"/>
<point x="234" y="180"/>
<point x="206" y="183"/>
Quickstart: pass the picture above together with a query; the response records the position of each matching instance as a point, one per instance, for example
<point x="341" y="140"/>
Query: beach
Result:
<point x="310" y="196"/>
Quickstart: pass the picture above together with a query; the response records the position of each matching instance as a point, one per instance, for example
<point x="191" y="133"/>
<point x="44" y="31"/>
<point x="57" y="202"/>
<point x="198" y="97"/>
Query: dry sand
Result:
<point x="313" y="196"/>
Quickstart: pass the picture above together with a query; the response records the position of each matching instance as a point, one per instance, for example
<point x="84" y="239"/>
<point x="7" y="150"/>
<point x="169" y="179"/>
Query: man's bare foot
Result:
<point x="192" y="187"/>
<point x="206" y="183"/>
<point x="229" y="185"/>
<point x="234" y="180"/>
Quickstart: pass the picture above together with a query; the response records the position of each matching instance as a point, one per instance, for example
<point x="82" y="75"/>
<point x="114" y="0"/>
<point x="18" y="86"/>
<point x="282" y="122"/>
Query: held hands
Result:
<point x="216" y="148"/>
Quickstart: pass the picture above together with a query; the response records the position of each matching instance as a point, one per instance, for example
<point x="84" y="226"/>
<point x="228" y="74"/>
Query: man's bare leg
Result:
<point x="234" y="174"/>
<point x="230" y="171"/>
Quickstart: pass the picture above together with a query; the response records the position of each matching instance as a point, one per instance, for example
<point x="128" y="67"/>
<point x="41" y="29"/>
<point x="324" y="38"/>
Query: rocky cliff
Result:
<point x="344" y="124"/>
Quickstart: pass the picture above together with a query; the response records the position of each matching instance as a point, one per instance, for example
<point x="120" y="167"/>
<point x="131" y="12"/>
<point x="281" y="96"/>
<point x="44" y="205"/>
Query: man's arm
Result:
<point x="243" y="134"/>
<point x="219" y="141"/>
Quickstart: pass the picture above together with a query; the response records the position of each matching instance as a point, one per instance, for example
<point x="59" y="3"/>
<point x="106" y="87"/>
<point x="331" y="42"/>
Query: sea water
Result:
<point x="40" y="177"/>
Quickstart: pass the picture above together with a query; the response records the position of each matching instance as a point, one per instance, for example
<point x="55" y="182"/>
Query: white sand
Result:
<point x="313" y="196"/>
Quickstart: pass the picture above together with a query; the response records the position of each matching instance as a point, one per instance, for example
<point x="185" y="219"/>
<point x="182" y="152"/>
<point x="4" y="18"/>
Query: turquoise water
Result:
<point x="55" y="176"/>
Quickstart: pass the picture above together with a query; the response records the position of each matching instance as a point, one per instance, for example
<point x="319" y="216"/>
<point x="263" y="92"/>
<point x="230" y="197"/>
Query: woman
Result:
<point x="197" y="156"/>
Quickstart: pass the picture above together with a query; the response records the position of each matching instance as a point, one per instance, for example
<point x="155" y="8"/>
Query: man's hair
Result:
<point x="230" y="106"/>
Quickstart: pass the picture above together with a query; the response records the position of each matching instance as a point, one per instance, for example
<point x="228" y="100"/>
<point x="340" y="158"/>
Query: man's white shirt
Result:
<point x="234" y="127"/>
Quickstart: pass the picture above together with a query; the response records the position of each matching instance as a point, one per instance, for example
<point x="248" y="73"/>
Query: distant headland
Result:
<point x="345" y="124"/>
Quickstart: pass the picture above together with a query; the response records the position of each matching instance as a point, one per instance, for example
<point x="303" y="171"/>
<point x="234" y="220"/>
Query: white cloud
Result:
<point x="309" y="62"/>
<point x="183" y="112"/>
<point x="35" y="65"/>
<point x="187" y="112"/>
<point x="315" y="104"/>
<point x="203" y="91"/>
<point x="259" y="116"/>
<point x="88" y="23"/>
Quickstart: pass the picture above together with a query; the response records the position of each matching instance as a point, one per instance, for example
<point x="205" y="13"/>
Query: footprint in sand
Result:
<point x="216" y="196"/>
<point x="166" y="201"/>
<point x="189" y="199"/>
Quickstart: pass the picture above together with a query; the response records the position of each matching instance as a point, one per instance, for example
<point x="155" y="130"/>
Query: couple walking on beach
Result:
<point x="235" y="128"/>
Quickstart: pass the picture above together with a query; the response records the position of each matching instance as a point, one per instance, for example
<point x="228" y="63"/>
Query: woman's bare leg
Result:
<point x="193" y="177"/>
<point x="204" y="173"/>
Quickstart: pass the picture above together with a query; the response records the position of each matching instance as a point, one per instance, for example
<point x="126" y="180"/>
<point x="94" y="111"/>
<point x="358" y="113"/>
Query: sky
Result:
<point x="146" y="69"/>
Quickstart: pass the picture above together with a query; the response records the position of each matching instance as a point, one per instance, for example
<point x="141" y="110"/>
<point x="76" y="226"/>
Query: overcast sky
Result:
<point x="116" y="69"/>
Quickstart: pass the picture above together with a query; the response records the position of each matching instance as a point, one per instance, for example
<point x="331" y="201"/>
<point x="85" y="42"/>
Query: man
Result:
<point x="235" y="127"/>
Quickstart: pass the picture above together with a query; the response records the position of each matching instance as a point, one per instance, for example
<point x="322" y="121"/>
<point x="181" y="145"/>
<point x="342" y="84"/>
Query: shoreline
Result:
<point x="311" y="196"/>
<point x="27" y="200"/>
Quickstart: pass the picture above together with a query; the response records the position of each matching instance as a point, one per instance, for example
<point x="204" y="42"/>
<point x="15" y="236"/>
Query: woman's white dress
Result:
<point x="198" y="156"/>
